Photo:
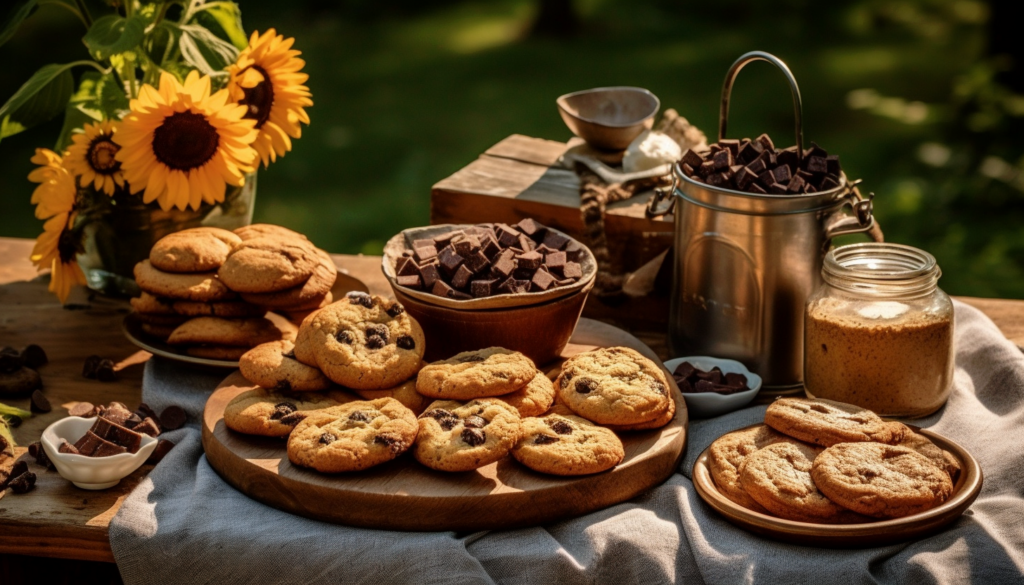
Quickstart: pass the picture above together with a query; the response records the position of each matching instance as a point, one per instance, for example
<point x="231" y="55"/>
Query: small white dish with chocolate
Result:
<point x="111" y="459"/>
<point x="732" y="389"/>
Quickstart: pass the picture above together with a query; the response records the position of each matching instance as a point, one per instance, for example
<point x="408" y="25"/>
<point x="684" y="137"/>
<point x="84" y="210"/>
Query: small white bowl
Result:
<point x="709" y="404"/>
<point x="90" y="473"/>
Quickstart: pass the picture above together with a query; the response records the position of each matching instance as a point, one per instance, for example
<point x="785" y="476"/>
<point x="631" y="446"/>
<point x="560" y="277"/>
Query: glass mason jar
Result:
<point x="878" y="333"/>
<point x="118" y="232"/>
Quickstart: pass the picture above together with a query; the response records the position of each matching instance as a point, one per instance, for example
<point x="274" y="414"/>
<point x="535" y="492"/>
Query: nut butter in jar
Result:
<point x="879" y="332"/>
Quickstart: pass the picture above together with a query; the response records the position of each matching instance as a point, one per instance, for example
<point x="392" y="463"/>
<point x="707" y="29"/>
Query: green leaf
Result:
<point x="113" y="34"/>
<point x="202" y="49"/>
<point x="99" y="97"/>
<point x="227" y="17"/>
<point x="42" y="97"/>
<point x="18" y="12"/>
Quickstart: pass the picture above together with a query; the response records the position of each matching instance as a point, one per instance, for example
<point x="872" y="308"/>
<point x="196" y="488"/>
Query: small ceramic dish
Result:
<point x="709" y="404"/>
<point x="90" y="473"/>
<point x="609" y="118"/>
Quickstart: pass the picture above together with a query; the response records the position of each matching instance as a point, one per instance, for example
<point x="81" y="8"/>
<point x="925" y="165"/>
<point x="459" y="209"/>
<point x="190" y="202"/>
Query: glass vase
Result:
<point x="118" y="232"/>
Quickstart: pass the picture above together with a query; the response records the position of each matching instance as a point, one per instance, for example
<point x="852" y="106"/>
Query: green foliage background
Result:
<point x="407" y="94"/>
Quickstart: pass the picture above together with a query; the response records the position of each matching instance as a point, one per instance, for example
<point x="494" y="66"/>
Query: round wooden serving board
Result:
<point x="404" y="495"/>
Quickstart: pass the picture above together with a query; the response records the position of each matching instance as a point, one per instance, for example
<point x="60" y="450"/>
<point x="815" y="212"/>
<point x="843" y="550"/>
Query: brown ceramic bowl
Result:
<point x="609" y="118"/>
<point x="540" y="331"/>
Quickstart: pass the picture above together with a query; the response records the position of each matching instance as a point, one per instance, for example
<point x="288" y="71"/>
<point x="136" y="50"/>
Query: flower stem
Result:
<point x="84" y="13"/>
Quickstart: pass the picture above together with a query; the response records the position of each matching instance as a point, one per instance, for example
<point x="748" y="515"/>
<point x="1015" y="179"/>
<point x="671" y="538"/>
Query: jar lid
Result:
<point x="881" y="269"/>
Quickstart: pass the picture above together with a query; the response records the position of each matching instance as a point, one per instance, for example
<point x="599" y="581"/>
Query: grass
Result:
<point x="401" y="103"/>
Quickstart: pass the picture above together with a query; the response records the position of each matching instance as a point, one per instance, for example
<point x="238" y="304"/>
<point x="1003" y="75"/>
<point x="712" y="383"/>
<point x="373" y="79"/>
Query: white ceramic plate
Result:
<point x="709" y="404"/>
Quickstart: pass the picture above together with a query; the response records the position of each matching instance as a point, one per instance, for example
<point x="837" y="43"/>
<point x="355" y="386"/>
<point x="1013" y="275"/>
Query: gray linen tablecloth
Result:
<point x="183" y="524"/>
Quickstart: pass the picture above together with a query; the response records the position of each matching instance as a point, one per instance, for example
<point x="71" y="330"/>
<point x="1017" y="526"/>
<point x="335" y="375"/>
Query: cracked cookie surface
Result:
<point x="615" y="385"/>
<point x="826" y="422"/>
<point x="273" y="366"/>
<point x="481" y="373"/>
<point x="274" y="414"/>
<point x="461" y="436"/>
<point x="559" y="444"/>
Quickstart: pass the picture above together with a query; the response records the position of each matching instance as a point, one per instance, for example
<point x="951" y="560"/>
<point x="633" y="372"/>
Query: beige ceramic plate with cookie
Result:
<point x="404" y="495"/>
<point x="866" y="535"/>
<point x="132" y="328"/>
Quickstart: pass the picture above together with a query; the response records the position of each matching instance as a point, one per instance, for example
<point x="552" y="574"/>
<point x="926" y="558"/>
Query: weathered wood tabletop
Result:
<point x="59" y="520"/>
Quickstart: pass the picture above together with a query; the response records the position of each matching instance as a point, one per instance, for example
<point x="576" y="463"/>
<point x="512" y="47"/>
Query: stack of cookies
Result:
<point x="473" y="409"/>
<point x="208" y="290"/>
<point x="829" y="462"/>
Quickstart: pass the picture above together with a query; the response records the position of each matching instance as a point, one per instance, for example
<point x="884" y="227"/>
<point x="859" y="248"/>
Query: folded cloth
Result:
<point x="184" y="524"/>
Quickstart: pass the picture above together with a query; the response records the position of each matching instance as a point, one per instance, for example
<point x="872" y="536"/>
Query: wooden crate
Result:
<point x="516" y="178"/>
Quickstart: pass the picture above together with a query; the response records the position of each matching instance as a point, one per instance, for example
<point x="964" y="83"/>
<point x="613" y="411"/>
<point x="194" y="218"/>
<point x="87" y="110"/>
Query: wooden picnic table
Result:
<point x="59" y="520"/>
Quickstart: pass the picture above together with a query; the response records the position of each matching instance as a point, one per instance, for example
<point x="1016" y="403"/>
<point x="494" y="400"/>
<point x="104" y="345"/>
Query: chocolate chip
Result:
<point x="282" y="410"/>
<point x="23" y="483"/>
<point x="545" y="440"/>
<point x="148" y="426"/>
<point x="395" y="310"/>
<point x="163" y="447"/>
<point x="39" y="402"/>
<point x="390" y="440"/>
<point x="475" y="422"/>
<point x="89" y="367"/>
<point x="345" y="337"/>
<point x="561" y="427"/>
<point x="34" y="356"/>
<point x="10" y="360"/>
<point x="294" y="418"/>
<point x="380" y="330"/>
<point x="360" y="298"/>
<point x="474" y="437"/>
<point x="445" y="418"/>
<point x="658" y="387"/>
<point x="359" y="416"/>
<point x="586" y="385"/>
<point x="145" y="411"/>
<point x="406" y="342"/>
<point x="105" y="371"/>
<point x="327" y="438"/>
<point x="375" y="342"/>
<point x="283" y="386"/>
<point x="173" y="417"/>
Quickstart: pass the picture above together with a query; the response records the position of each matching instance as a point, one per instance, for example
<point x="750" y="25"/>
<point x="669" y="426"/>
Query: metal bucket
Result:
<point x="745" y="263"/>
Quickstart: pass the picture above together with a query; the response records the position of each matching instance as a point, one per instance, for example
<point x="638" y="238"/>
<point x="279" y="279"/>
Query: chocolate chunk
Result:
<point x="718" y="180"/>
<point x="327" y="438"/>
<point x="23" y="483"/>
<point x="380" y="330"/>
<point x="116" y="413"/>
<point x="561" y="427"/>
<point x="86" y="445"/>
<point x="750" y="151"/>
<point x="781" y="174"/>
<point x="100" y="447"/>
<point x="529" y="260"/>
<point x="345" y="337"/>
<point x="687" y="170"/>
<point x="10" y="360"/>
<point x="423" y="243"/>
<point x="6" y="475"/>
<point x="461" y="278"/>
<point x="442" y="289"/>
<point x="172" y="418"/>
<point x="360" y="298"/>
<point x="145" y="411"/>
<point x="757" y="166"/>
<point x="767" y="179"/>
<point x="444" y="240"/>
<point x="586" y="385"/>
<point x="504" y="264"/>
<point x="778" y="188"/>
<point x="816" y="164"/>
<point x="424" y="254"/>
<point x="445" y="418"/>
<point x="542" y="280"/>
<point x="788" y="157"/>
<point x="66" y="447"/>
<point x="282" y="409"/>
<point x="555" y="240"/>
<point x="714" y="375"/>
<point x="766" y="142"/>
<point x="574" y="251"/>
<point x="572" y="270"/>
<point x="545" y="440"/>
<point x="406" y="267"/>
<point x="117" y="434"/>
<point x="482" y="288"/>
<point x="704" y="386"/>
<point x="555" y="260"/>
<point x="148" y="426"/>
<point x="722" y="160"/>
<point x="491" y="248"/>
<point x="796" y="184"/>
<point x="732" y="144"/>
<point x="449" y="260"/>
<point x="461" y="296"/>
<point x="690" y="157"/>
<point x="815" y="150"/>
<point x="531" y="228"/>
<point x="430" y="275"/>
<point x="522" y="274"/>
<point x="89" y="367"/>
<point x="405" y="342"/>
<point x="466" y="245"/>
<point x="526" y="244"/>
<point x="163" y="447"/>
<point x="477" y="262"/>
<point x="34" y="356"/>
<point x="374" y="342"/>
<point x="506" y="235"/>
<point x="39" y="402"/>
<point x="744" y="177"/>
<point x="474" y="437"/>
<point x="736" y="380"/>
<point x="359" y="416"/>
<point x="755" y="188"/>
<point x="831" y="164"/>
<point x="828" y="183"/>
<point x="475" y="422"/>
<point x="412" y="281"/>
<point x="133" y="421"/>
<point x="685" y="369"/>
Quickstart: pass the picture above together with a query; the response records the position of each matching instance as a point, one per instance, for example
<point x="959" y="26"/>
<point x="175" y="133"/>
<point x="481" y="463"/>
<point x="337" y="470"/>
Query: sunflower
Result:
<point x="57" y="248"/>
<point x="267" y="79"/>
<point x="183" y="145"/>
<point x="56" y="191"/>
<point x="91" y="157"/>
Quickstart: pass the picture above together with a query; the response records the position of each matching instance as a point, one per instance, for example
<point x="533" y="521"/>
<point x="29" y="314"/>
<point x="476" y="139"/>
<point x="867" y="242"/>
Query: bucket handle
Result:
<point x="730" y="78"/>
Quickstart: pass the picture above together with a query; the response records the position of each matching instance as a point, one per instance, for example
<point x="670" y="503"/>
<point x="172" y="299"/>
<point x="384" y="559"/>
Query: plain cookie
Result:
<point x="727" y="454"/>
<point x="827" y="422"/>
<point x="269" y="264"/>
<point x="200" y="286"/>
<point x="219" y="331"/>
<point x="493" y="371"/>
<point x="198" y="249"/>
<point x="273" y="365"/>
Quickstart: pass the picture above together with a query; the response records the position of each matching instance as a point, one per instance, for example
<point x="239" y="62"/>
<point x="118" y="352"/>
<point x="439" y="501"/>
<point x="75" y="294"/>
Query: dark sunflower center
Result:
<point x="67" y="246"/>
<point x="101" y="155"/>
<point x="185" y="141"/>
<point x="259" y="99"/>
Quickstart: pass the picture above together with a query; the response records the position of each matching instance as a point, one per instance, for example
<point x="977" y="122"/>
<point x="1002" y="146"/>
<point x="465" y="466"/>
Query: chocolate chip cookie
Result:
<point x="355" y="436"/>
<point x="273" y="365"/>
<point x="826" y="422"/>
<point x="883" y="481"/>
<point x="269" y="264"/>
<point x="567" y="445"/>
<point x="779" y="478"/>
<point x="493" y="371"/>
<point x="535" y="398"/>
<point x="199" y="286"/>
<point x="615" y="386"/>
<point x="272" y="414"/>
<point x="727" y="454"/>
<point x="231" y="332"/>
<point x="363" y="342"/>
<point x="198" y="249"/>
<point x="405" y="393"/>
<point x="461" y="436"/>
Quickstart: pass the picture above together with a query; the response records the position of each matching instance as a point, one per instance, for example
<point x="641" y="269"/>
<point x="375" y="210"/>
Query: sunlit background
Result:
<point x="916" y="96"/>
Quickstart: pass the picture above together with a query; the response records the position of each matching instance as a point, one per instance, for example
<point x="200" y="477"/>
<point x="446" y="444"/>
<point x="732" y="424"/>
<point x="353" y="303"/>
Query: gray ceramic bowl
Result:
<point x="609" y="118"/>
<point x="709" y="404"/>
